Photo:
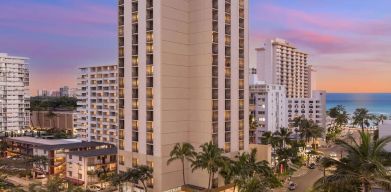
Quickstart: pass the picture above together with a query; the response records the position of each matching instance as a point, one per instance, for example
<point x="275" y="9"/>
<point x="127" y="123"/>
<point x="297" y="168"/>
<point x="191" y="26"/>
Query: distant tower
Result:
<point x="279" y="62"/>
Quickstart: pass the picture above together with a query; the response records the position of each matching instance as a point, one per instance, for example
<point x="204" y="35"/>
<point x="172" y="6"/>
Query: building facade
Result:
<point x="279" y="62"/>
<point x="14" y="93"/>
<point x="385" y="131"/>
<point x="56" y="151"/>
<point x="183" y="77"/>
<point x="97" y="104"/>
<point x="268" y="106"/>
<point x="61" y="120"/>
<point x="313" y="108"/>
<point x="82" y="166"/>
<point x="64" y="91"/>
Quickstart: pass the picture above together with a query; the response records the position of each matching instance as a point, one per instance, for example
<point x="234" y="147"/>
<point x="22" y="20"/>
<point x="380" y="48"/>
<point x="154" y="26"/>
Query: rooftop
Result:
<point x="96" y="152"/>
<point x="39" y="141"/>
<point x="53" y="144"/>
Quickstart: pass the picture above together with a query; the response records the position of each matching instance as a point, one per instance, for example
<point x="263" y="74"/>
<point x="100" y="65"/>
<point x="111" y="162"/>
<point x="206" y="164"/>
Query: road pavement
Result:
<point x="305" y="182"/>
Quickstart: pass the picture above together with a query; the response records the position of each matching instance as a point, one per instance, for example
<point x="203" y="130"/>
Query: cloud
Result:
<point x="75" y="19"/>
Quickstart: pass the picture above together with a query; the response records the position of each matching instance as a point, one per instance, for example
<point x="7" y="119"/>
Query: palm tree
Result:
<point x="145" y="173"/>
<point x="117" y="179"/>
<point x="267" y="138"/>
<point x="361" y="117"/>
<point x="284" y="136"/>
<point x="229" y="171"/>
<point x="182" y="152"/>
<point x="363" y="168"/>
<point x="210" y="158"/>
<point x="138" y="174"/>
<point x="339" y="114"/>
<point x="55" y="184"/>
<point x="39" y="163"/>
<point x="250" y="172"/>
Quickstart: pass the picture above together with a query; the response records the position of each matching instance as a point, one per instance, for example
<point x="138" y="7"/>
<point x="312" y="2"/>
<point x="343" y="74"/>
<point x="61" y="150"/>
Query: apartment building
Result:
<point x="83" y="165"/>
<point x="14" y="93"/>
<point x="183" y="75"/>
<point x="97" y="104"/>
<point x="313" y="108"/>
<point x="64" y="91"/>
<point x="61" y="120"/>
<point x="280" y="62"/>
<point x="268" y="105"/>
<point x="55" y="150"/>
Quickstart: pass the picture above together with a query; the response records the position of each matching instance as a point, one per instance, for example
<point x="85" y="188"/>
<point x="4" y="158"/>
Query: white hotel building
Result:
<point x="313" y="108"/>
<point x="97" y="104"/>
<point x="183" y="76"/>
<point x="14" y="93"/>
<point x="268" y="104"/>
<point x="279" y="62"/>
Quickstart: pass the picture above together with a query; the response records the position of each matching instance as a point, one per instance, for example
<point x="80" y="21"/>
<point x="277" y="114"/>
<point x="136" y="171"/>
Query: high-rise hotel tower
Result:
<point x="183" y="72"/>
<point x="279" y="62"/>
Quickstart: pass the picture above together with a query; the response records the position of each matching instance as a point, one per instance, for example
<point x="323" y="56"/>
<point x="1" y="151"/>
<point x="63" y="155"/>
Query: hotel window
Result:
<point x="121" y="160"/>
<point x="215" y="72"/>
<point x="134" y="162"/>
<point x="135" y="147"/>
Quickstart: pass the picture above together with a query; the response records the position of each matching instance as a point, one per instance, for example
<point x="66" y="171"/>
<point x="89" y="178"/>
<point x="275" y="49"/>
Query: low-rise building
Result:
<point x="55" y="150"/>
<point x="82" y="166"/>
<point x="313" y="108"/>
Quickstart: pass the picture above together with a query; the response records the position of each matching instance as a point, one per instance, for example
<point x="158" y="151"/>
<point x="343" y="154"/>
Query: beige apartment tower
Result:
<point x="279" y="62"/>
<point x="183" y="72"/>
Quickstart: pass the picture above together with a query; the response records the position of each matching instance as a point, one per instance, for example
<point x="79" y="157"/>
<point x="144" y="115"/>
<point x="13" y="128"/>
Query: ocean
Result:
<point x="376" y="103"/>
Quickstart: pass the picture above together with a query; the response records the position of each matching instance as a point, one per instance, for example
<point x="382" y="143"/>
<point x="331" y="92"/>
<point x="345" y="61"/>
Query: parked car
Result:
<point x="312" y="166"/>
<point x="333" y="154"/>
<point x="292" y="186"/>
<point x="94" y="188"/>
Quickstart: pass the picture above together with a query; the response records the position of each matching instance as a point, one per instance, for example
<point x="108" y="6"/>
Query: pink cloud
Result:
<point x="294" y="17"/>
<point x="85" y="19"/>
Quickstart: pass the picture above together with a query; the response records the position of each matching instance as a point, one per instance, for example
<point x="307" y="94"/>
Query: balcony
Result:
<point x="134" y="17"/>
<point x="215" y="94"/>
<point x="215" y="105"/>
<point x="149" y="149"/>
<point x="150" y="25"/>
<point x="149" y="4"/>
<point x="149" y="36"/>
<point x="227" y="94"/>
<point x="149" y="93"/>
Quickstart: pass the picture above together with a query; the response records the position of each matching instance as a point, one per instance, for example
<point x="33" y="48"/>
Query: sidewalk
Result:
<point x="19" y="182"/>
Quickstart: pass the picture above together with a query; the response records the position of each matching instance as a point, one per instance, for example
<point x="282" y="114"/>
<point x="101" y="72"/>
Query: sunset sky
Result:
<point x="349" y="41"/>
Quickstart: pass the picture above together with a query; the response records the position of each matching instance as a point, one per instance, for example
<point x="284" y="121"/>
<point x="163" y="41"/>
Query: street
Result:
<point x="305" y="182"/>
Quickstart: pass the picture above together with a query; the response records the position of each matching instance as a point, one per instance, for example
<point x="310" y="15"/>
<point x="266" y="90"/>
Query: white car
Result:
<point x="292" y="186"/>
<point x="95" y="188"/>
<point x="333" y="155"/>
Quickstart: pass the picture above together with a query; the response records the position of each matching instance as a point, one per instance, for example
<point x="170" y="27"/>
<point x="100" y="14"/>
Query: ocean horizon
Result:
<point x="376" y="103"/>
